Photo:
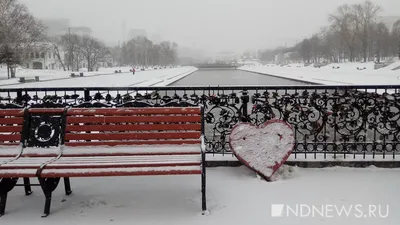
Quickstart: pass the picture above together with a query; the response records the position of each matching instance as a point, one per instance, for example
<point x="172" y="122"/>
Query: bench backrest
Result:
<point x="11" y="122"/>
<point x="133" y="126"/>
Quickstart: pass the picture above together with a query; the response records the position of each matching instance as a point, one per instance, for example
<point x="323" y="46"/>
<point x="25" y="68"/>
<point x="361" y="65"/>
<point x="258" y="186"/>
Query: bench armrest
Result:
<point x="203" y="144"/>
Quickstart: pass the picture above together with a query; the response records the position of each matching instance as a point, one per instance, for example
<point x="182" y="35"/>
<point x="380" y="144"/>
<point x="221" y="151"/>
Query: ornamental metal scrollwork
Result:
<point x="325" y="119"/>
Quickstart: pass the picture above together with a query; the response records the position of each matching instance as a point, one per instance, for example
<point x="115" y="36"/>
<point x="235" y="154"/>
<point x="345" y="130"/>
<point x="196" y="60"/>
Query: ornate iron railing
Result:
<point x="348" y="120"/>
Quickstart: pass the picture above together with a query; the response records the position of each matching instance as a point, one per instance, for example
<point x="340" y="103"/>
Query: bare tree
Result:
<point x="316" y="48"/>
<point x="116" y="54"/>
<point x="142" y="52"/>
<point x="168" y="52"/>
<point x="353" y="34"/>
<point x="10" y="58"/>
<point x="332" y="46"/>
<point x="346" y="24"/>
<point x="305" y="50"/>
<point x="56" y="43"/>
<point x="380" y="35"/>
<point x="71" y="45"/>
<point x="19" y="31"/>
<point x="143" y="46"/>
<point x="92" y="50"/>
<point x="365" y="14"/>
<point x="155" y="55"/>
<point x="396" y="37"/>
<point x="174" y="53"/>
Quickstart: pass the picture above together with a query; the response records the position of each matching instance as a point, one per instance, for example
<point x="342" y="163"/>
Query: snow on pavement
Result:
<point x="347" y="74"/>
<point x="234" y="196"/>
<point x="141" y="78"/>
<point x="45" y="75"/>
<point x="393" y="66"/>
<point x="168" y="78"/>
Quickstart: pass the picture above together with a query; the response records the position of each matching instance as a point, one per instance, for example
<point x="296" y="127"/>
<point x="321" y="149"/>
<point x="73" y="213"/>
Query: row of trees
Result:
<point x="72" y="50"/>
<point x="139" y="51"/>
<point x="143" y="52"/>
<point x="355" y="33"/>
<point x="22" y="36"/>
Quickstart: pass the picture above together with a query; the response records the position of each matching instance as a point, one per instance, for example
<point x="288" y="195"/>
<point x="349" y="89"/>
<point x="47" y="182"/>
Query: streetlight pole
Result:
<point x="70" y="49"/>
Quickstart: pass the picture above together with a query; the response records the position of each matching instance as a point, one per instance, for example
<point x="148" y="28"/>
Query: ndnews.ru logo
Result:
<point x="330" y="211"/>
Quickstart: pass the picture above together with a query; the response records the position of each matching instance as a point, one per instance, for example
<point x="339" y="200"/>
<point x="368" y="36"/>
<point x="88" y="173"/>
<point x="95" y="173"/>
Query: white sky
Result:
<point x="211" y="25"/>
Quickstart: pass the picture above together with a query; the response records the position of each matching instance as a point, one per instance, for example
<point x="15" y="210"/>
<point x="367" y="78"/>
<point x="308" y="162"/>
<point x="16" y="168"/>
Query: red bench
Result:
<point x="114" y="142"/>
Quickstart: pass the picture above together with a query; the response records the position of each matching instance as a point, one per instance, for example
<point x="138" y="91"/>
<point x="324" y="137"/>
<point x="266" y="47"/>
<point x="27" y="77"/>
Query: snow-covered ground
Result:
<point x="334" y="74"/>
<point x="148" y="78"/>
<point x="393" y="66"/>
<point x="234" y="196"/>
<point x="51" y="74"/>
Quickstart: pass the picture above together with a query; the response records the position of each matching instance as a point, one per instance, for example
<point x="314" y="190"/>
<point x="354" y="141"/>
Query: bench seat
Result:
<point x="9" y="151"/>
<point x="101" y="172"/>
<point x="105" y="157"/>
<point x="15" y="172"/>
<point x="113" y="171"/>
<point x="103" y="161"/>
<point x="114" y="150"/>
<point x="5" y="159"/>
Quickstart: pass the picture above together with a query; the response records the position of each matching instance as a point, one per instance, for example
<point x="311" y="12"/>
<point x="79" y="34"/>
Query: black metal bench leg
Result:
<point x="6" y="185"/>
<point x="27" y="185"/>
<point x="67" y="185"/>
<point x="203" y="185"/>
<point x="48" y="186"/>
<point x="3" y="201"/>
<point x="203" y="195"/>
<point x="47" y="205"/>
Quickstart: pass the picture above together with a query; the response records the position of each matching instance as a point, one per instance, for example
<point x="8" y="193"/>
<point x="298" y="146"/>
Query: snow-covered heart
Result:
<point x="262" y="148"/>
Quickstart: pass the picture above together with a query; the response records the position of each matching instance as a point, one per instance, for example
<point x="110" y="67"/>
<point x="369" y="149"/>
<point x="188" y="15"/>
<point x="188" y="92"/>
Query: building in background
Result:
<point x="134" y="33"/>
<point x="58" y="27"/>
<point x="107" y="61"/>
<point x="42" y="56"/>
<point x="79" y="30"/>
<point x="389" y="20"/>
<point x="190" y="56"/>
<point x="279" y="58"/>
<point x="156" y="39"/>
<point x="226" y="57"/>
<point x="55" y="27"/>
<point x="250" y="55"/>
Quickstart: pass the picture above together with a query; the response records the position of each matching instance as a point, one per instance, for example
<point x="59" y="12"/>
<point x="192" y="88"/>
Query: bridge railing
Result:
<point x="328" y="121"/>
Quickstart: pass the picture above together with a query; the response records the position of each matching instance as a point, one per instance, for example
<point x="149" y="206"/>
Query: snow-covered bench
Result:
<point x="115" y="142"/>
<point x="28" y="79"/>
<point x="76" y="75"/>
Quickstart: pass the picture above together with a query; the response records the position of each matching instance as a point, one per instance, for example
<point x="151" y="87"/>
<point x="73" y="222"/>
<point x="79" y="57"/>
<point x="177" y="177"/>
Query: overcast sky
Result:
<point x="217" y="25"/>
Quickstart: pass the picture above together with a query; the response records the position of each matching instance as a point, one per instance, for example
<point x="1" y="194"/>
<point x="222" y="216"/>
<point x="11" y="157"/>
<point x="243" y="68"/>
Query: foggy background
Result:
<point x="201" y="26"/>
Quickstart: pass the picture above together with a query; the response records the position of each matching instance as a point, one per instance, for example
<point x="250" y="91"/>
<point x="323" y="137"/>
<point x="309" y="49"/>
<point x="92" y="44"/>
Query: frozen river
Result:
<point x="231" y="77"/>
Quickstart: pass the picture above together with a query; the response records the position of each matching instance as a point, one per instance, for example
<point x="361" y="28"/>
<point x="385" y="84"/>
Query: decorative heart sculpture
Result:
<point x="263" y="148"/>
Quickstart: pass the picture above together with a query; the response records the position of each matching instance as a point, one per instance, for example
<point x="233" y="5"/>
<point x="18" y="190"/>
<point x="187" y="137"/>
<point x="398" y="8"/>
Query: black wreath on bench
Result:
<point x="44" y="131"/>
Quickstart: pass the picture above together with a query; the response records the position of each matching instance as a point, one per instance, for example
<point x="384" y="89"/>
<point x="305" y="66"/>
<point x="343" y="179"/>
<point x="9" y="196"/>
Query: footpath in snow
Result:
<point x="47" y="75"/>
<point x="234" y="196"/>
<point x="333" y="74"/>
<point x="149" y="78"/>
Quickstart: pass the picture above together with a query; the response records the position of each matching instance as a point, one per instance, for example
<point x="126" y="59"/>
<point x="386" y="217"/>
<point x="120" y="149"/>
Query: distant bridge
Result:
<point x="215" y="66"/>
